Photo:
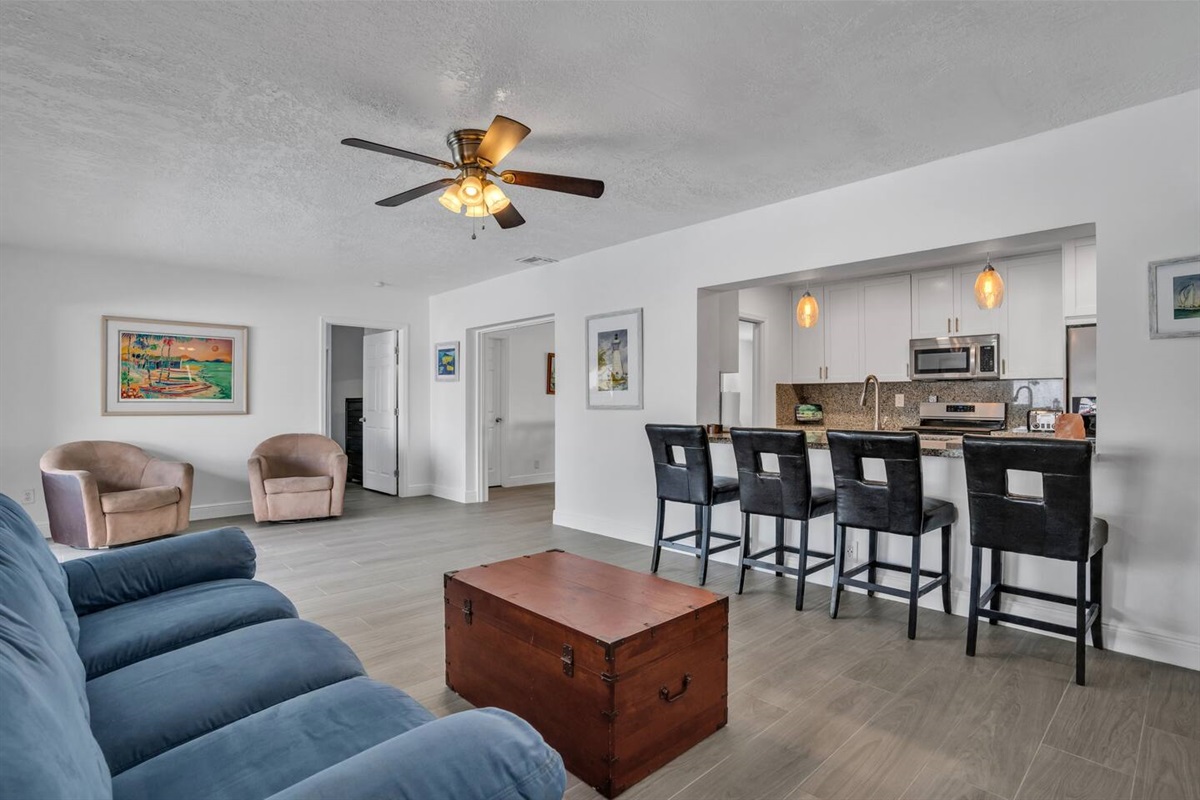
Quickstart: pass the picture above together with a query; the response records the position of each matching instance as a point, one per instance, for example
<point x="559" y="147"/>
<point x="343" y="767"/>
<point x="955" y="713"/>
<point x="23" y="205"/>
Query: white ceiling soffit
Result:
<point x="207" y="133"/>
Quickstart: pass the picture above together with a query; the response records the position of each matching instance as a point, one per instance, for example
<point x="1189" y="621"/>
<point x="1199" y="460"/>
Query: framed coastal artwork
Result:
<point x="1175" y="298"/>
<point x="154" y="366"/>
<point x="549" y="373"/>
<point x="614" y="359"/>
<point x="445" y="361"/>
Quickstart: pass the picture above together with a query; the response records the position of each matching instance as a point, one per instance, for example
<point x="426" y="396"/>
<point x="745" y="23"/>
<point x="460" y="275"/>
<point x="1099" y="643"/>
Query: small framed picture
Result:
<point x="549" y="373"/>
<point x="445" y="361"/>
<point x="614" y="358"/>
<point x="1175" y="298"/>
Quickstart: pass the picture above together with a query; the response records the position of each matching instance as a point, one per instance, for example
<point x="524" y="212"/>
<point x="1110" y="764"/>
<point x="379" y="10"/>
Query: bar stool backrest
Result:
<point x="894" y="506"/>
<point x="786" y="493"/>
<point x="1056" y="525"/>
<point x="687" y="482"/>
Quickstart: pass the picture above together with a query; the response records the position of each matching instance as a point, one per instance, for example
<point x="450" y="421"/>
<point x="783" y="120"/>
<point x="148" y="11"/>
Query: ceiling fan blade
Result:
<point x="393" y="151"/>
<point x="509" y="217"/>
<point x="413" y="194"/>
<point x="585" y="187"/>
<point x="502" y="136"/>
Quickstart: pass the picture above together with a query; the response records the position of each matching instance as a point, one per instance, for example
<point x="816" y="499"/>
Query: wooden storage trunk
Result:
<point x="618" y="670"/>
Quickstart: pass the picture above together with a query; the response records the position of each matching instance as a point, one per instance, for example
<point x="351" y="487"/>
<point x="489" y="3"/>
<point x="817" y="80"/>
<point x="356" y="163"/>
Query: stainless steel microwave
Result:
<point x="954" y="358"/>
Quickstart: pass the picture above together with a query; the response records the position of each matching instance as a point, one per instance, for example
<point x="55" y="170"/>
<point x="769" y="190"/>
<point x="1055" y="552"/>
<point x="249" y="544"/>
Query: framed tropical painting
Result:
<point x="614" y="359"/>
<point x="1175" y="298"/>
<point x="445" y="361"/>
<point x="154" y="366"/>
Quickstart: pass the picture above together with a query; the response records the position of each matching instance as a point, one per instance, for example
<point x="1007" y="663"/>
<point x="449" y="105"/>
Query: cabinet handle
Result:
<point x="956" y="324"/>
<point x="1003" y="367"/>
<point x="947" y="324"/>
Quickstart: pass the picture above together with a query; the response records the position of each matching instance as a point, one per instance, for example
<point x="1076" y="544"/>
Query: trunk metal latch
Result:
<point x="568" y="661"/>
<point x="467" y="612"/>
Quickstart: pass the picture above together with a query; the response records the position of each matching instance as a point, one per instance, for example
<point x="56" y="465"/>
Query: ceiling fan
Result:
<point x="476" y="154"/>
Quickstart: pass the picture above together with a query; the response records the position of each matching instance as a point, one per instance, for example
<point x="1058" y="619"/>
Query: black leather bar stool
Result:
<point x="1057" y="525"/>
<point x="786" y="494"/>
<point x="895" y="506"/>
<point x="690" y="482"/>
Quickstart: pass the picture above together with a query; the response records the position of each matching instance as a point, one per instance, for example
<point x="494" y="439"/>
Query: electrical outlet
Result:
<point x="537" y="464"/>
<point x="899" y="400"/>
<point x="28" y="496"/>
<point x="852" y="551"/>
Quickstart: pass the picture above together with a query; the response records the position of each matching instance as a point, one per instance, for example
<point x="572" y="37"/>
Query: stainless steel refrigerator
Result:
<point x="1081" y="374"/>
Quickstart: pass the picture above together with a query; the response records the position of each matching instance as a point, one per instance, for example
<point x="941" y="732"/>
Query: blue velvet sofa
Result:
<point x="165" y="671"/>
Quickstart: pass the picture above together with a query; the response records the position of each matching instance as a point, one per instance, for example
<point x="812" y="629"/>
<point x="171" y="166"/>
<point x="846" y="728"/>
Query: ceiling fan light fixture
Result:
<point x="493" y="198"/>
<point x="477" y="211"/>
<point x="450" y="199"/>
<point x="471" y="191"/>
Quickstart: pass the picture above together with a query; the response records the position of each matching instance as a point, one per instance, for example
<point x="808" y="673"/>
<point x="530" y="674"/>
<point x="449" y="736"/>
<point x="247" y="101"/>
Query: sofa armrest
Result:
<point x="172" y="473"/>
<point x="73" y="505"/>
<point x="337" y="464"/>
<point x="122" y="576"/>
<point x="473" y="755"/>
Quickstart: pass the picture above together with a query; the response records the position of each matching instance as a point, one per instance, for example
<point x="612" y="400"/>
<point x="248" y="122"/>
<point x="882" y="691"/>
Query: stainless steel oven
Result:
<point x="954" y="358"/>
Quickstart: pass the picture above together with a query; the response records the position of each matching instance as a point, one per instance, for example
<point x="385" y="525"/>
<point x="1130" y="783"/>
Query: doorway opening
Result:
<point x="515" y="393"/>
<point x="364" y="408"/>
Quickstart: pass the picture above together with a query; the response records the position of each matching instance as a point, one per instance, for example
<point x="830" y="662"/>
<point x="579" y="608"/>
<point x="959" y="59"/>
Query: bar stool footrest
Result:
<point x="1042" y="625"/>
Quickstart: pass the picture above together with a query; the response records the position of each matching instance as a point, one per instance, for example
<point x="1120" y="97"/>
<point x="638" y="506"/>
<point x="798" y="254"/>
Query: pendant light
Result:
<point x="989" y="287"/>
<point x="807" y="311"/>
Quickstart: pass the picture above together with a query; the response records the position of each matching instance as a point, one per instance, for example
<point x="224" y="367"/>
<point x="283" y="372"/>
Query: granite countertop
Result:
<point x="941" y="447"/>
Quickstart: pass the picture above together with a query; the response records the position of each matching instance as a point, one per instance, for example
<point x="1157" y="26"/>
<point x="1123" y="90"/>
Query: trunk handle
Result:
<point x="665" y="693"/>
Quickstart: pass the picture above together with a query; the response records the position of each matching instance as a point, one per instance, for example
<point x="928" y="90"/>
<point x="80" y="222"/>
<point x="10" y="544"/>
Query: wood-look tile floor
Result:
<point x="818" y="708"/>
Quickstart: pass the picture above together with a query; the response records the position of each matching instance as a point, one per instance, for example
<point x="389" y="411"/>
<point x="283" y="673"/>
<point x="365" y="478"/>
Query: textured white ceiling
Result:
<point x="207" y="133"/>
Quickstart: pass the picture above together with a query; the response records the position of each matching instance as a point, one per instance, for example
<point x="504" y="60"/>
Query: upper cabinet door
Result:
<point x="1035" y="347"/>
<point x="808" y="344"/>
<point x="843" y="332"/>
<point x="933" y="304"/>
<point x="886" y="320"/>
<point x="972" y="320"/>
<point x="1079" y="280"/>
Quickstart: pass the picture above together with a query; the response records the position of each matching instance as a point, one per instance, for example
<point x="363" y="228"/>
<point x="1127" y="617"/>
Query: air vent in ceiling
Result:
<point x="537" y="260"/>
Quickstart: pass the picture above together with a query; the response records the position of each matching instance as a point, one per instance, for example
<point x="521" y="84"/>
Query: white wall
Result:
<point x="345" y="376"/>
<point x="50" y="309"/>
<point x="772" y="307"/>
<point x="529" y="412"/>
<point x="1135" y="174"/>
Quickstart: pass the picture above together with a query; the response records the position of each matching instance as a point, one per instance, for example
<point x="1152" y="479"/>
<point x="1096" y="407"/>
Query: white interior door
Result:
<point x="380" y="410"/>
<point x="494" y="391"/>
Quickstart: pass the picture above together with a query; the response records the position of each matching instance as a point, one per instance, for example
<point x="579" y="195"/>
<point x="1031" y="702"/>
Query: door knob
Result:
<point x="362" y="419"/>
<point x="499" y="419"/>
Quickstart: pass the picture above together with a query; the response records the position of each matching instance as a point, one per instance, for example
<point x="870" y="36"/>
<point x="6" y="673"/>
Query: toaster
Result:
<point x="1041" y="420"/>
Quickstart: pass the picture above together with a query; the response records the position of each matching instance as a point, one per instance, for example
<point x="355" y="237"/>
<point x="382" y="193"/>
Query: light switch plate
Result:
<point x="899" y="400"/>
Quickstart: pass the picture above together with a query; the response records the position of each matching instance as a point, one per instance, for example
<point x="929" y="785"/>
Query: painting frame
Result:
<point x="1168" y="319"/>
<point x="618" y="335"/>
<point x="550" y="374"/>
<point x="447" y="370"/>
<point x="189" y="396"/>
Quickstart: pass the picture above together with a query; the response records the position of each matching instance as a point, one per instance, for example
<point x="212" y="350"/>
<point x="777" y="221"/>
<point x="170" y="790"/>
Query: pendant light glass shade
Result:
<point x="477" y="211"/>
<point x="807" y="311"/>
<point x="471" y="191"/>
<point x="989" y="288"/>
<point x="493" y="198"/>
<point x="450" y="199"/>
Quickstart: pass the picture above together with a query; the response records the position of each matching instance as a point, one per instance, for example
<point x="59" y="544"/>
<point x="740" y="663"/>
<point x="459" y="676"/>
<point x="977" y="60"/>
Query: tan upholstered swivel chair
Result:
<point x="105" y="493"/>
<point x="297" y="476"/>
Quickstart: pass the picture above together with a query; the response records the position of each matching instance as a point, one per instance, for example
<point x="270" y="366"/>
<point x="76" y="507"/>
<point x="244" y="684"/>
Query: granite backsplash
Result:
<point x="840" y="400"/>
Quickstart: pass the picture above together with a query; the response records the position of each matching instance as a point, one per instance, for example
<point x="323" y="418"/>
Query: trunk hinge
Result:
<point x="608" y="677"/>
<point x="568" y="661"/>
<point x="467" y="612"/>
<point x="609" y="715"/>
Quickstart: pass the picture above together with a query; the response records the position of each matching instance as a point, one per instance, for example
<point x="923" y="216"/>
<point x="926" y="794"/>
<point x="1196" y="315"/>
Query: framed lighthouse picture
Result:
<point x="161" y="367"/>
<point x="614" y="359"/>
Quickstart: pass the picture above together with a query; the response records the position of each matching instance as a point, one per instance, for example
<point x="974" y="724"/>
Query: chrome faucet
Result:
<point x="863" y="400"/>
<point x="1017" y="394"/>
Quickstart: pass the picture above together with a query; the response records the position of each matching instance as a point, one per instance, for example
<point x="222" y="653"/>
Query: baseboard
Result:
<point x="418" y="490"/>
<point x="455" y="493"/>
<point x="237" y="508"/>
<point x="529" y="480"/>
<point x="601" y="526"/>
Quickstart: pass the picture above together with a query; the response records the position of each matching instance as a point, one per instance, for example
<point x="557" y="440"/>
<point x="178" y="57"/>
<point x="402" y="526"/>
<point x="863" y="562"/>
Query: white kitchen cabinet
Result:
<point x="1035" y="346"/>
<point x="808" y="344"/>
<point x="933" y="303"/>
<point x="887" y="318"/>
<point x="969" y="318"/>
<point x="1079" y="280"/>
<point x="843" y="332"/>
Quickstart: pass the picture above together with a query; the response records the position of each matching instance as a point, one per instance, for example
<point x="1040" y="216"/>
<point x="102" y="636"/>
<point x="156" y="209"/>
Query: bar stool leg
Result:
<point x="658" y="534"/>
<point x="1097" y="597"/>
<point x="946" y="568"/>
<point x="803" y="564"/>
<point x="745" y="552"/>
<point x="973" y="612"/>
<point x="705" y="536"/>
<point x="1080" y="620"/>
<point x="778" y="545"/>
<point x="872" y="557"/>
<point x="997" y="579"/>
<point x="914" y="587"/>
<point x="839" y="566"/>
<point x="699" y="526"/>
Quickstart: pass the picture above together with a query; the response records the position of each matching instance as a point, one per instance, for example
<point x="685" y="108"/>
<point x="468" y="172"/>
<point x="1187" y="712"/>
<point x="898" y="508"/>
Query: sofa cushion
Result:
<point x="266" y="752"/>
<point x="146" y="499"/>
<point x="46" y="747"/>
<point x="150" y="706"/>
<point x="121" y="635"/>
<point x="299" y="483"/>
<point x="21" y="537"/>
